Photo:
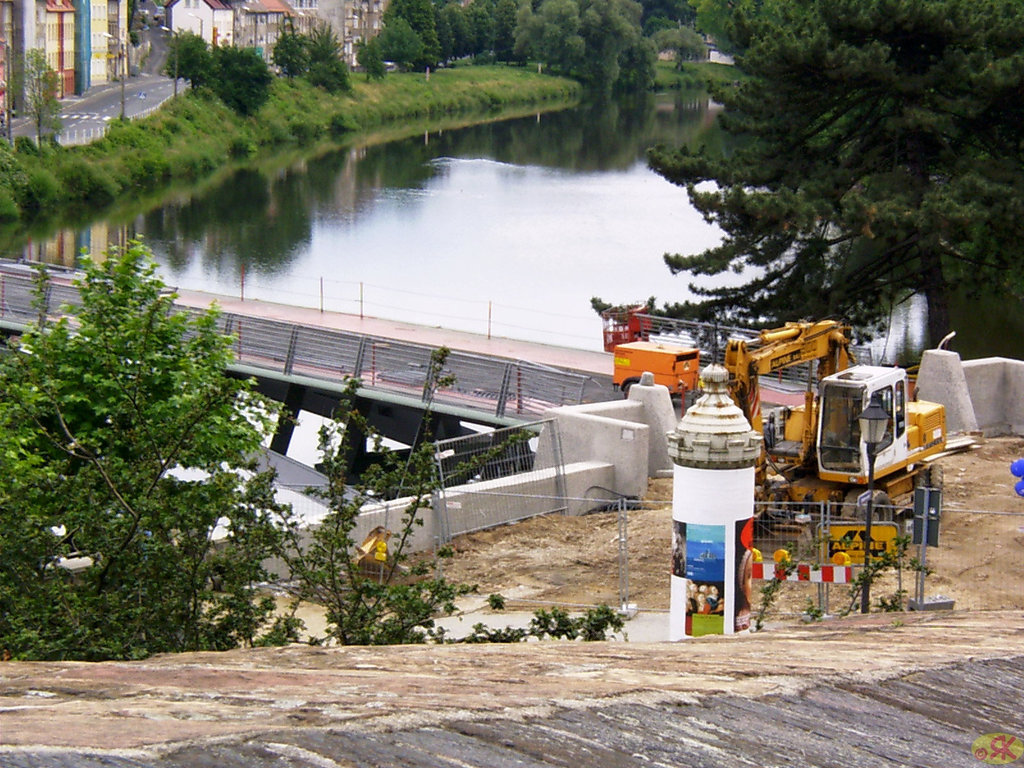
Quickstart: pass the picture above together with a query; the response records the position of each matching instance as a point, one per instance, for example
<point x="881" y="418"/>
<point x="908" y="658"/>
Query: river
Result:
<point x="507" y="228"/>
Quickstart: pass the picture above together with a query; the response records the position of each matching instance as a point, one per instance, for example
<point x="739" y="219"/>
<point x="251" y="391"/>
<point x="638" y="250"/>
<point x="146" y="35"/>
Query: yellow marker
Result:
<point x="781" y="556"/>
<point x="757" y="555"/>
<point x="382" y="551"/>
<point x="841" y="558"/>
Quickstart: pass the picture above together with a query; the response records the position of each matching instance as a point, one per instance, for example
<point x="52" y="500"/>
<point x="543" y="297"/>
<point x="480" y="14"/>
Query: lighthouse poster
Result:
<point x="705" y="575"/>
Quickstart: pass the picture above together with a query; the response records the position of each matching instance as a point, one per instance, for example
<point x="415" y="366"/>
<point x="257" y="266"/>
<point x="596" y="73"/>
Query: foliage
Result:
<point x="877" y="154"/>
<point x="595" y="624"/>
<point x="123" y="441"/>
<point x="242" y="78"/>
<point x="374" y="599"/>
<point x="400" y="43"/>
<point x="189" y="54"/>
<point x="326" y="68"/>
<point x="685" y="43"/>
<point x="598" y="41"/>
<point x="506" y="14"/>
<point x="291" y="53"/>
<point x="195" y="134"/>
<point x="419" y="14"/>
<point x="41" y="104"/>
<point x="370" y="58"/>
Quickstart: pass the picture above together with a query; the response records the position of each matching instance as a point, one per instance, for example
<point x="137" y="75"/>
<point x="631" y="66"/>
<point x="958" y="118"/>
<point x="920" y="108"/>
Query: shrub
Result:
<point x="85" y="182"/>
<point x="41" y="192"/>
<point x="8" y="207"/>
<point x="342" y="123"/>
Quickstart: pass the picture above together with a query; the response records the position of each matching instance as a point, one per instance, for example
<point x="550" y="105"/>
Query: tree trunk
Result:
<point x="936" y="294"/>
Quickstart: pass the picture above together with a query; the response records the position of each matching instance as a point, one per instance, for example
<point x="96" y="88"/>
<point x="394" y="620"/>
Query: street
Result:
<point x="84" y="118"/>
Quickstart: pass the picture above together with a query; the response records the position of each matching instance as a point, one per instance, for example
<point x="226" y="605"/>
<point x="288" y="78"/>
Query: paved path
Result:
<point x="584" y="361"/>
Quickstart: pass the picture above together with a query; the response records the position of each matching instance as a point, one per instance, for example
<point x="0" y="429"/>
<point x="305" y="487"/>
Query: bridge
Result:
<point x="308" y="366"/>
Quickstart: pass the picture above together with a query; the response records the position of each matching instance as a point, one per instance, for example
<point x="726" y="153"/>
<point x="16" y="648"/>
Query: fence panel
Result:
<point x="492" y="478"/>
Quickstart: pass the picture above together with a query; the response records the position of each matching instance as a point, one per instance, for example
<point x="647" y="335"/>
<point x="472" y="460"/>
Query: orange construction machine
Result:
<point x="677" y="367"/>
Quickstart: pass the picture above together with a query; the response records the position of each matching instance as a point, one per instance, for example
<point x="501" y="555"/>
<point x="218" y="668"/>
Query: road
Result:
<point x="84" y="118"/>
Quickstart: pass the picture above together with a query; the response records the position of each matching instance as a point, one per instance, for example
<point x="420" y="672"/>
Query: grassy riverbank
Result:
<point x="195" y="135"/>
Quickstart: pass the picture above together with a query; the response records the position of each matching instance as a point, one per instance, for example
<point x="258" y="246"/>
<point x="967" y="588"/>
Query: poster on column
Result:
<point x="705" y="574"/>
<point x="744" y="599"/>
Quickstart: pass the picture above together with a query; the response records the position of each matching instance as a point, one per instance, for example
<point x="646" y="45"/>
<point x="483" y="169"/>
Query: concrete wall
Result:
<point x="941" y="380"/>
<point x="996" y="386"/>
<point x="612" y="433"/>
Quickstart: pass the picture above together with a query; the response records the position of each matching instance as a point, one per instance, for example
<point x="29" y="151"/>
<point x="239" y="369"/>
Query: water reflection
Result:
<point x="506" y="228"/>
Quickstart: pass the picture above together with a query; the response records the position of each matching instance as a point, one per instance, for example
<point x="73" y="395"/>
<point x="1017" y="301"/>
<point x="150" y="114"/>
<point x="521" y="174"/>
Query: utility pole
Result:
<point x="7" y="88"/>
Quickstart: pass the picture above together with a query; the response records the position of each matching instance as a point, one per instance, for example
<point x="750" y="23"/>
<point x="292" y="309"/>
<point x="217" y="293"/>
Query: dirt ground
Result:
<point x="574" y="561"/>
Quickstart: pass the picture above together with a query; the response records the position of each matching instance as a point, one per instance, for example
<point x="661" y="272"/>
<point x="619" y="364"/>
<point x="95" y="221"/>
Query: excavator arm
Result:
<point x="826" y="342"/>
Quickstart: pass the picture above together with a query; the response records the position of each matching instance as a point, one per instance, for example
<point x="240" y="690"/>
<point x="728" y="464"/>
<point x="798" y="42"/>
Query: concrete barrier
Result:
<point x="941" y="379"/>
<point x="996" y="387"/>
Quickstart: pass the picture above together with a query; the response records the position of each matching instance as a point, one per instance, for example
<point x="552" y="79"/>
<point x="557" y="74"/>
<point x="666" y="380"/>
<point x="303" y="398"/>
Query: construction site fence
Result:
<point x="512" y="389"/>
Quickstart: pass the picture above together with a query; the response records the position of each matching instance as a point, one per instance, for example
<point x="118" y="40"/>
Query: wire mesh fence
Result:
<point x="499" y="477"/>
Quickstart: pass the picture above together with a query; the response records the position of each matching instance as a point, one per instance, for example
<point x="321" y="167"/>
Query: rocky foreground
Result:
<point x="882" y="690"/>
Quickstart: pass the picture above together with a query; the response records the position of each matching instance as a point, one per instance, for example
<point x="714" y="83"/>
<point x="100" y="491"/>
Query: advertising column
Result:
<point x="714" y="452"/>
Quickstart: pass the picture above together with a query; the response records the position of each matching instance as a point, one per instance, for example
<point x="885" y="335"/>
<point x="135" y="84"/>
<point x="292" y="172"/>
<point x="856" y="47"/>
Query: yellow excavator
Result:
<point x="814" y="451"/>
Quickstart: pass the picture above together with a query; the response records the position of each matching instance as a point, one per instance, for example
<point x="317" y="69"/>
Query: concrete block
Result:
<point x="602" y="432"/>
<point x="996" y="387"/>
<point x="662" y="418"/>
<point x="942" y="380"/>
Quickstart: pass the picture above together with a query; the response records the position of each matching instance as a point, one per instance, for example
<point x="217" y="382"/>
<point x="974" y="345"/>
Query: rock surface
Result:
<point x="878" y="690"/>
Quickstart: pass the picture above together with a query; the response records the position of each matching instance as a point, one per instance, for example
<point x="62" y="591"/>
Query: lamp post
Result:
<point x="873" y="422"/>
<point x="124" y="66"/>
<point x="174" y="43"/>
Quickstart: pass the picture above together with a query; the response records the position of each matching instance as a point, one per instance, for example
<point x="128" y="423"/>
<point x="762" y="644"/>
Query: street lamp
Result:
<point x="124" y="66"/>
<point x="873" y="422"/>
<point x="174" y="42"/>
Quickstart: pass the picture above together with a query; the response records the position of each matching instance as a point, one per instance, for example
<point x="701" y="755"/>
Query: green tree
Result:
<point x="454" y="17"/>
<point x="242" y="78"/>
<point x="291" y="53"/>
<point x="419" y="14"/>
<point x="505" y="15"/>
<point x="400" y="43"/>
<point x="879" y="156"/>
<point x="326" y="68"/>
<point x="190" y="54"/>
<point x="371" y="59"/>
<point x="590" y="40"/>
<point x="41" y="94"/>
<point x="371" y="601"/>
<point x="481" y="21"/>
<point x="685" y="43"/>
<point x="124" y="443"/>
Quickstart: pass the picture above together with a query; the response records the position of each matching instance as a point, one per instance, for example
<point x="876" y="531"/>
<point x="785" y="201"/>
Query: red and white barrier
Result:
<point x="822" y="574"/>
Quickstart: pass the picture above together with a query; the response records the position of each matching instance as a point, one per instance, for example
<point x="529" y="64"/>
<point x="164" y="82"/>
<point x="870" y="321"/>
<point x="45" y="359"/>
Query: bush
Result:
<point x="242" y="146"/>
<point x="85" y="182"/>
<point x="25" y="145"/>
<point x="8" y="207"/>
<point x="342" y="123"/>
<point x="41" y="192"/>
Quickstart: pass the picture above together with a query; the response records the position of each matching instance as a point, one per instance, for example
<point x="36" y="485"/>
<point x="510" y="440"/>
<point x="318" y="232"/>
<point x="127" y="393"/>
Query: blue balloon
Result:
<point x="1019" y="487"/>
<point x="1017" y="468"/>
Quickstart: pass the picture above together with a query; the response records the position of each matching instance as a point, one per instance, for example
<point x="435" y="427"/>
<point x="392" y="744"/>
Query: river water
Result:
<point x="507" y="228"/>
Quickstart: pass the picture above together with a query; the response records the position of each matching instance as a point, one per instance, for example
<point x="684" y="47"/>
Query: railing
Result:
<point x="510" y="390"/>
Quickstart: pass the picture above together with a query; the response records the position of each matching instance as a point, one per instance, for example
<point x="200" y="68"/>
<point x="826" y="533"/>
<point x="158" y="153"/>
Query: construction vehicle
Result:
<point x="675" y="366"/>
<point x="625" y="324"/>
<point x="814" y="451"/>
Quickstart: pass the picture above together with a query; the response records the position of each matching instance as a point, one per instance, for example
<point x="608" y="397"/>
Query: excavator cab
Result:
<point x="842" y="453"/>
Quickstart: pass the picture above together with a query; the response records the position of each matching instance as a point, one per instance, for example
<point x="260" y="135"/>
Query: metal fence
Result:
<point x="499" y="477"/>
<point x="499" y="387"/>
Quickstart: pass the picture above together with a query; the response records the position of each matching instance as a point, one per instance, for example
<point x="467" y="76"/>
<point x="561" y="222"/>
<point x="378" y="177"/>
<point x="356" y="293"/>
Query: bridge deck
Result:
<point x="584" y="361"/>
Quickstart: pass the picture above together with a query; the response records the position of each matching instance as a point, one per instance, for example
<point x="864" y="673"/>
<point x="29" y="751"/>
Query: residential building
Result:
<point x="55" y="27"/>
<point x="212" y="20"/>
<point x="258" y="24"/>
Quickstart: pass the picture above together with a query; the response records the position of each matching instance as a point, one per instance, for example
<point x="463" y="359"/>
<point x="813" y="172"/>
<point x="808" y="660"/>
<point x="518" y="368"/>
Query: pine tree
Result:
<point x="878" y="153"/>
